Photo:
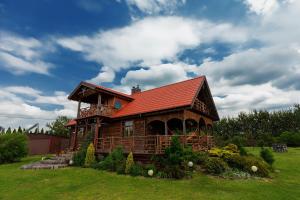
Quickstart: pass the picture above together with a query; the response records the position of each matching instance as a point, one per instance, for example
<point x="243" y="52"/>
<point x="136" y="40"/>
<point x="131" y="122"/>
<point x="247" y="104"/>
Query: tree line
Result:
<point x="261" y="127"/>
<point x="56" y="127"/>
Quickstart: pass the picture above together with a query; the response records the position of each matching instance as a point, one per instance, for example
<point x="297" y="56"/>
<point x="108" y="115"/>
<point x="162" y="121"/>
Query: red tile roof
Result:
<point x="166" y="97"/>
<point x="72" y="122"/>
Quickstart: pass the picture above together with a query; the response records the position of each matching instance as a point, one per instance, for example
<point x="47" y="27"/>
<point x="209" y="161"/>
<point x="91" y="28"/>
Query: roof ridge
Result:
<point x="203" y="76"/>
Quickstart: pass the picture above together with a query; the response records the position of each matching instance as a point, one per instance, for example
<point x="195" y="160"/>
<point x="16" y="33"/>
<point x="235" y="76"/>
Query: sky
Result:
<point x="249" y="50"/>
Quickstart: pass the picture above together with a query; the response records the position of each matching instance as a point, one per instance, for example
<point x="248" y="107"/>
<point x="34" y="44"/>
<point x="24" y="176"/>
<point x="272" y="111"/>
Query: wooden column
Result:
<point x="99" y="104"/>
<point x="96" y="136"/>
<point x="75" y="138"/>
<point x="166" y="127"/>
<point x="183" y="126"/>
<point x="78" y="109"/>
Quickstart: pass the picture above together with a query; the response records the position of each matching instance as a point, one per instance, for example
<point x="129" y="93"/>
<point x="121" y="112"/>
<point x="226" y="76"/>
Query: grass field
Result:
<point x="78" y="183"/>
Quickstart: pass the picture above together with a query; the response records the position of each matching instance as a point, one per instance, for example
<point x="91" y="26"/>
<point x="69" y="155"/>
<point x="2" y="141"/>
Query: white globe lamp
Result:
<point x="254" y="168"/>
<point x="71" y="162"/>
<point x="190" y="164"/>
<point x="150" y="172"/>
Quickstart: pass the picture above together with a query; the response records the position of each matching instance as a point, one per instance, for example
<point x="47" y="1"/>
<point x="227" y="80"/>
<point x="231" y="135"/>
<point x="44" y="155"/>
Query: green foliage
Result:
<point x="58" y="126"/>
<point x="259" y="128"/>
<point x="90" y="156"/>
<point x="136" y="170"/>
<point x="171" y="162"/>
<point x="79" y="156"/>
<point x="195" y="157"/>
<point x="243" y="151"/>
<point x="267" y="155"/>
<point x="129" y="163"/>
<point x="8" y="131"/>
<point x="232" y="148"/>
<point x="113" y="160"/>
<point x="291" y="139"/>
<point x="13" y="147"/>
<point x="215" y="166"/>
<point x="244" y="163"/>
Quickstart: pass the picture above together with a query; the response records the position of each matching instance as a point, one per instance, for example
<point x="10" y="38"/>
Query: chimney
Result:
<point x="136" y="89"/>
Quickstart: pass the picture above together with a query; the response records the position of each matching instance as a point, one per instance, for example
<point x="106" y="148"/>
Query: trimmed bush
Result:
<point x="267" y="155"/>
<point x="215" y="166"/>
<point x="90" y="156"/>
<point x="13" y="147"/>
<point x="113" y="160"/>
<point x="244" y="163"/>
<point x="232" y="147"/>
<point x="129" y="163"/>
<point x="137" y="170"/>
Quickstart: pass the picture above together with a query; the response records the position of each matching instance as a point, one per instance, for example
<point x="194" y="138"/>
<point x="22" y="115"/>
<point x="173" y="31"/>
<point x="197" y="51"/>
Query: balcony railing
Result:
<point x="152" y="144"/>
<point x="202" y="107"/>
<point x="94" y="110"/>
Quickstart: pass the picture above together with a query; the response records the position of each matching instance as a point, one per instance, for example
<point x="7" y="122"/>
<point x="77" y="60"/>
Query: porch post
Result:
<point x="96" y="136"/>
<point x="183" y="126"/>
<point x="75" y="138"/>
<point x="99" y="104"/>
<point x="78" y="109"/>
<point x="166" y="128"/>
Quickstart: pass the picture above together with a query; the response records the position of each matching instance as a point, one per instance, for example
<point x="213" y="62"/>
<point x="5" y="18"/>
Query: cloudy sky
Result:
<point x="248" y="49"/>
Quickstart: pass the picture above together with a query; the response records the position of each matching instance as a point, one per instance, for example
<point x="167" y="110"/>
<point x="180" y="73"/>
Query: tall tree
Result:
<point x="8" y="131"/>
<point x="20" y="129"/>
<point x="58" y="126"/>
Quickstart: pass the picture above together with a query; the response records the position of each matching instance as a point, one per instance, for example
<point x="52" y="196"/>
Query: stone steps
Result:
<point x="56" y="162"/>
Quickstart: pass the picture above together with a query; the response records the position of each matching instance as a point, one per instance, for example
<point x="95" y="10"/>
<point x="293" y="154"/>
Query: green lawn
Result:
<point x="78" y="183"/>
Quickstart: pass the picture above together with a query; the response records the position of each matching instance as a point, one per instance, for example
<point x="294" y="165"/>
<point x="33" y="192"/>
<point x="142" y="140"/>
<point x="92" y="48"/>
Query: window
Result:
<point x="118" y="105"/>
<point x="128" y="128"/>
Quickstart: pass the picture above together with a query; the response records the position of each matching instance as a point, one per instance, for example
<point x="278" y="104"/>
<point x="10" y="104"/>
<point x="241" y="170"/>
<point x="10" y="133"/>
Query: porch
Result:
<point x="151" y="144"/>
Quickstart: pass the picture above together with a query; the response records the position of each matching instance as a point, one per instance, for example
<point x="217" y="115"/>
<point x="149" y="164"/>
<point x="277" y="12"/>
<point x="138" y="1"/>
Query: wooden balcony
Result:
<point x="103" y="110"/>
<point x="153" y="144"/>
<point x="201" y="106"/>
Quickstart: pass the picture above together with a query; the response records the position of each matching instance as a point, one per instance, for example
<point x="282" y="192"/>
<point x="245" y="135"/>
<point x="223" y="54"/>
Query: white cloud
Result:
<point x="20" y="55"/>
<point x="155" y="6"/>
<point x="149" y="41"/>
<point x="17" y="109"/>
<point x="105" y="75"/>
<point x="155" y="76"/>
<point x="262" y="7"/>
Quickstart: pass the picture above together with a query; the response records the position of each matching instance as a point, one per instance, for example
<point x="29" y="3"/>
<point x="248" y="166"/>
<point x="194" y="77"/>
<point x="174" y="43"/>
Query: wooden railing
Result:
<point x="94" y="110"/>
<point x="201" y="106"/>
<point x="153" y="144"/>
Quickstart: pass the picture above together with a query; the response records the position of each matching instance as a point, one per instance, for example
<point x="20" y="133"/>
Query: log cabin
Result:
<point x="144" y="121"/>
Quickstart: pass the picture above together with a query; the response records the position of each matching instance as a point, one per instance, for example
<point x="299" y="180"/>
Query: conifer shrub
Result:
<point x="136" y="170"/>
<point x="267" y="155"/>
<point x="113" y="160"/>
<point x="90" y="156"/>
<point x="215" y="166"/>
<point x="129" y="163"/>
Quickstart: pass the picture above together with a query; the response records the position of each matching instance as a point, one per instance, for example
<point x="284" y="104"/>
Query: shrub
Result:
<point x="171" y="162"/>
<point x="79" y="158"/>
<point x="129" y="163"/>
<point x="263" y="167"/>
<point x="13" y="147"/>
<point x="215" y="166"/>
<point x="232" y="147"/>
<point x="244" y="163"/>
<point x="267" y="155"/>
<point x="113" y="160"/>
<point x="90" y="156"/>
<point x="136" y="170"/>
<point x="243" y="151"/>
<point x="195" y="157"/>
